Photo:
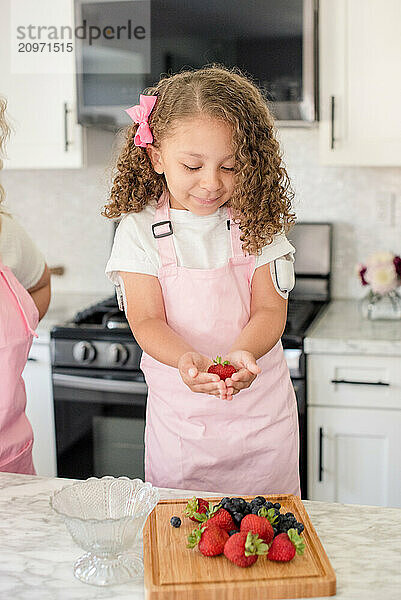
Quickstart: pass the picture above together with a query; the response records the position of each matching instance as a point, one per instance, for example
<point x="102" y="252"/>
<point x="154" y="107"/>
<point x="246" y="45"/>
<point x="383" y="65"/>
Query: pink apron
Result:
<point x="196" y="441"/>
<point x="18" y="319"/>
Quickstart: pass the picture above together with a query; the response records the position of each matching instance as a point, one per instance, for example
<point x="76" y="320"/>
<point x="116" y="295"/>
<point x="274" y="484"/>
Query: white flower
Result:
<point x="382" y="277"/>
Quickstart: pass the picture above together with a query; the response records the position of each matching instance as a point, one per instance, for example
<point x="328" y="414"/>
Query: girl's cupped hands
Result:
<point x="247" y="371"/>
<point x="193" y="370"/>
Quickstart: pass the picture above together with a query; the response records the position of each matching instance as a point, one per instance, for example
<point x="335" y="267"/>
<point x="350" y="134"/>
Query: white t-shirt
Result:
<point x="201" y="242"/>
<point x="19" y="253"/>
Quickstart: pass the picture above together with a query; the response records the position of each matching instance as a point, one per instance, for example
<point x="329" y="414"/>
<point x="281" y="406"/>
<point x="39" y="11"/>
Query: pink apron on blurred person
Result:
<point x="18" y="319"/>
<point x="196" y="441"/>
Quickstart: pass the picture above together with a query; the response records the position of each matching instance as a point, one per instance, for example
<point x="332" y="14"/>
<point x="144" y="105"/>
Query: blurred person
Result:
<point x="24" y="300"/>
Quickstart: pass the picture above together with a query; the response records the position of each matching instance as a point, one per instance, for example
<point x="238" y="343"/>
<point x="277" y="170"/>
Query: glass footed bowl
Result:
<point x="105" y="517"/>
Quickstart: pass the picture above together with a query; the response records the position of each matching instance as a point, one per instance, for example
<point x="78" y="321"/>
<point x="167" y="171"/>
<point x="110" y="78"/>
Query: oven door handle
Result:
<point x="102" y="385"/>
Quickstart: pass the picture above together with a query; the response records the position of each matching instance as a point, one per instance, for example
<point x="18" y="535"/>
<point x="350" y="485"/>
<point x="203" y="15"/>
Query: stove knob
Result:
<point x="84" y="352"/>
<point x="118" y="354"/>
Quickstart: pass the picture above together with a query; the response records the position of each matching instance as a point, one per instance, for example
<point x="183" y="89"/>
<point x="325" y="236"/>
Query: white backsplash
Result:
<point x="61" y="210"/>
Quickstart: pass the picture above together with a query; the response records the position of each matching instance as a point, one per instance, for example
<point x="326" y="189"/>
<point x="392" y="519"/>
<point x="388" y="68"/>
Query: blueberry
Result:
<point x="224" y="500"/>
<point x="269" y="505"/>
<point x="175" y="521"/>
<point x="261" y="499"/>
<point x="277" y="505"/>
<point x="300" y="527"/>
<point x="289" y="514"/>
<point x="232" y="532"/>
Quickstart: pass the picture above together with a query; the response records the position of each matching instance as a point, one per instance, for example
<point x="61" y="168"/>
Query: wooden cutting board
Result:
<point x="174" y="572"/>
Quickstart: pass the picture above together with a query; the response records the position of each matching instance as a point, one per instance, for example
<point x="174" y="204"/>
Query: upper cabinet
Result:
<point x="360" y="82"/>
<point x="38" y="81"/>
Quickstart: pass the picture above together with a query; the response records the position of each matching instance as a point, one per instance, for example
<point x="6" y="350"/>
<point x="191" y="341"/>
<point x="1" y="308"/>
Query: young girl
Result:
<point x="24" y="299"/>
<point x="207" y="201"/>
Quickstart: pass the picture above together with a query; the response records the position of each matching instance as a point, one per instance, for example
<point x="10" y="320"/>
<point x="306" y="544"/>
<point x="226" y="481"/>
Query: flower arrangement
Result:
<point x="382" y="273"/>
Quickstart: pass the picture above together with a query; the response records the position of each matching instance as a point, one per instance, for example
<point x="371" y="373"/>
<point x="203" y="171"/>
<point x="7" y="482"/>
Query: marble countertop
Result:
<point x="341" y="329"/>
<point x="63" y="306"/>
<point x="37" y="553"/>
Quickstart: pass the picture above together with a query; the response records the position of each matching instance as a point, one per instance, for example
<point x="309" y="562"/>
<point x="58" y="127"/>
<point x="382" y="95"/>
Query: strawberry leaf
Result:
<point x="254" y="545"/>
<point x="296" y="540"/>
<point x="192" y="507"/>
<point x="269" y="514"/>
<point x="201" y="517"/>
<point x="195" y="536"/>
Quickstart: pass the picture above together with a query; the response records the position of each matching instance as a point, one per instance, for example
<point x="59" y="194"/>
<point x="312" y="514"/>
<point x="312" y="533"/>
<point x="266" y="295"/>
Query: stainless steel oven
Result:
<point x="99" y="413"/>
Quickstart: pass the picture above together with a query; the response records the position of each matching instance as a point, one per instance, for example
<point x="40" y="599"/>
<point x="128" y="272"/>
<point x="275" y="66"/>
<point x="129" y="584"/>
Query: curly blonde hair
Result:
<point x="4" y="134"/>
<point x="262" y="197"/>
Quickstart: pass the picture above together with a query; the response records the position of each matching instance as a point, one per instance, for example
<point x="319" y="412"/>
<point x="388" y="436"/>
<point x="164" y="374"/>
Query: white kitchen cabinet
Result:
<point x="39" y="409"/>
<point x="353" y="455"/>
<point x="360" y="82"/>
<point x="41" y="105"/>
<point x="354" y="424"/>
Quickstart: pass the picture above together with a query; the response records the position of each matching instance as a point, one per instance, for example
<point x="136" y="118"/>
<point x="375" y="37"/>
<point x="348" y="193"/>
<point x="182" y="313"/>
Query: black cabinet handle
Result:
<point x="332" y="108"/>
<point x="320" y="453"/>
<point x="348" y="381"/>
<point x="66" y="140"/>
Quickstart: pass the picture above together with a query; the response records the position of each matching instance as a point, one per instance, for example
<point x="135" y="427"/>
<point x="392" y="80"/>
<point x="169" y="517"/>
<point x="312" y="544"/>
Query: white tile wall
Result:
<point x="61" y="210"/>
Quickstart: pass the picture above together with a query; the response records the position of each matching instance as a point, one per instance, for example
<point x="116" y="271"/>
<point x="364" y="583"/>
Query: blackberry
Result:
<point x="300" y="527"/>
<point x="277" y="505"/>
<point x="261" y="499"/>
<point x="237" y="518"/>
<point x="255" y="510"/>
<point x="175" y="521"/>
<point x="288" y="515"/>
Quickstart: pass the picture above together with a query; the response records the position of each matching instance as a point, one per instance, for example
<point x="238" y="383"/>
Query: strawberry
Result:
<point x="195" y="508"/>
<point x="259" y="525"/>
<point x="220" y="517"/>
<point x="242" y="548"/>
<point x="222" y="369"/>
<point x="210" y="540"/>
<point x="285" y="545"/>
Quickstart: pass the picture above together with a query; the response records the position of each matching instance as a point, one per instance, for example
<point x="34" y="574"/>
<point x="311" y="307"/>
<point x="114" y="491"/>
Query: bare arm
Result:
<point x="268" y="316"/>
<point x="147" y="319"/>
<point x="41" y="293"/>
<point x="261" y="333"/>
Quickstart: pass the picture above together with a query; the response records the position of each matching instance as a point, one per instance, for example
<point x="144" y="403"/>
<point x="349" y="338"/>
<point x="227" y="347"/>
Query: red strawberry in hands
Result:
<point x="210" y="540"/>
<point x="259" y="525"/>
<point x="285" y="545"/>
<point x="222" y="369"/>
<point x="243" y="548"/>
<point x="195" y="508"/>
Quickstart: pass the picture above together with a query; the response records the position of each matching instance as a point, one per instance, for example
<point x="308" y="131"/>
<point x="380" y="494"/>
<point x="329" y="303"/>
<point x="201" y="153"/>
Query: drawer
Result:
<point x="354" y="381"/>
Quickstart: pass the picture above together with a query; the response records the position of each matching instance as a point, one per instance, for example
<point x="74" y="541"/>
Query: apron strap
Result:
<point x="235" y="233"/>
<point x="163" y="232"/>
<point x="3" y="274"/>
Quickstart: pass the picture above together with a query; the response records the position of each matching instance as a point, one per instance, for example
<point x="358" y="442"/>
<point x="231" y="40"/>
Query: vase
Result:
<point x="381" y="306"/>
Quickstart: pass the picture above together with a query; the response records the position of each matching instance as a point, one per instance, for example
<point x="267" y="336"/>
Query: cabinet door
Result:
<point x="41" y="105"/>
<point x="353" y="456"/>
<point x="360" y="82"/>
<point x="39" y="409"/>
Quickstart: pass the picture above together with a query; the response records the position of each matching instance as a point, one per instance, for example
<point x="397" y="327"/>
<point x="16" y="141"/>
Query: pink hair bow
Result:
<point x="139" y="114"/>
